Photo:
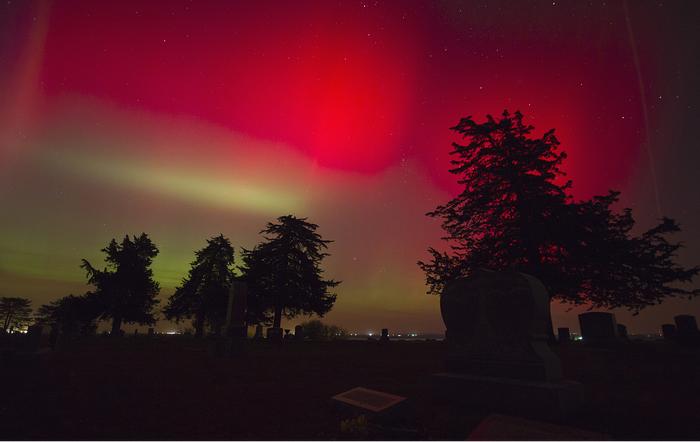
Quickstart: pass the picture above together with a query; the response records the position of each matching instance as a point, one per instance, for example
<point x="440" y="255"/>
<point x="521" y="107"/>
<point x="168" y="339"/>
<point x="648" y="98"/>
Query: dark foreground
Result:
<point x="173" y="388"/>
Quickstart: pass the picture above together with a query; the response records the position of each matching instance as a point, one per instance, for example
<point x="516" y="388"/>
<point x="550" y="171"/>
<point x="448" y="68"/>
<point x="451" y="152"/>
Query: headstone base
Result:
<point x="553" y="400"/>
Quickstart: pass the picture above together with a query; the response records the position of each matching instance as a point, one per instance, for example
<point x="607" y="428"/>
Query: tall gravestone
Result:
<point x="668" y="331"/>
<point x="385" y="335"/>
<point x="275" y="334"/>
<point x="622" y="331"/>
<point x="498" y="353"/>
<point x="686" y="329"/>
<point x="39" y="337"/>
<point x="598" y="327"/>
<point x="299" y="333"/>
<point x="564" y="335"/>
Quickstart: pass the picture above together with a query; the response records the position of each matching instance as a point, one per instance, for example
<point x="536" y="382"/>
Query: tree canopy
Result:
<point x="15" y="312"/>
<point x="125" y="289"/>
<point x="203" y="294"/>
<point x="515" y="212"/>
<point x="72" y="314"/>
<point x="284" y="273"/>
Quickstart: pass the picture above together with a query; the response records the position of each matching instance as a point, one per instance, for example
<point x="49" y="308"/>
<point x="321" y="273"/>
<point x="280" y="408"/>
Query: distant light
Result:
<point x="171" y="332"/>
<point x="370" y="333"/>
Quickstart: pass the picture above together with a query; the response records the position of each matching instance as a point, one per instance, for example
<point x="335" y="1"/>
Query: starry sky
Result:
<point x="186" y="119"/>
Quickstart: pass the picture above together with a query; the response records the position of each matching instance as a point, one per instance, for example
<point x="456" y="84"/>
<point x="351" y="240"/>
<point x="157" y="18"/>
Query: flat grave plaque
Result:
<point x="371" y="400"/>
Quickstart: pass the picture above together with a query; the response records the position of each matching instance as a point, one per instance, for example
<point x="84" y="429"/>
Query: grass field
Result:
<point x="175" y="388"/>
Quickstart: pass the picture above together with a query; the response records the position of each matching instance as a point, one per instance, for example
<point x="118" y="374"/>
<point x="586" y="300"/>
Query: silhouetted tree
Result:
<point x="515" y="214"/>
<point x="15" y="312"/>
<point x="284" y="272"/>
<point x="72" y="314"/>
<point x="203" y="294"/>
<point x="125" y="288"/>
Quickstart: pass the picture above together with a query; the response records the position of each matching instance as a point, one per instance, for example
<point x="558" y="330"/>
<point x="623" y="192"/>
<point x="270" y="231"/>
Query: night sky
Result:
<point x="187" y="119"/>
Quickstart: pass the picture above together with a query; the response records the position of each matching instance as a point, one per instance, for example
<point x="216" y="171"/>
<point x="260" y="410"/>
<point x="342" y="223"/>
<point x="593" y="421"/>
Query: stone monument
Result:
<point x="498" y="356"/>
<point x="258" y="332"/>
<point x="686" y="329"/>
<point x="385" y="335"/>
<point x="299" y="333"/>
<point x="668" y="331"/>
<point x="39" y="338"/>
<point x="564" y="335"/>
<point x="274" y="334"/>
<point x="622" y="331"/>
<point x="598" y="327"/>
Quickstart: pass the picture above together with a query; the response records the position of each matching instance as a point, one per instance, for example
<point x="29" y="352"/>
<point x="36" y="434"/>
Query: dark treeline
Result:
<point x="283" y="274"/>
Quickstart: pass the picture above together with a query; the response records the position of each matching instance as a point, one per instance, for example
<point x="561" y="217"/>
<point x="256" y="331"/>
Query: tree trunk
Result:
<point x="277" y="322"/>
<point x="8" y="318"/>
<point x="116" y="326"/>
<point x="199" y="325"/>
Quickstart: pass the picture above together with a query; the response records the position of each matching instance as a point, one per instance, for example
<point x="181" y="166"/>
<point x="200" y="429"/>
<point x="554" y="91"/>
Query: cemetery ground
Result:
<point x="168" y="387"/>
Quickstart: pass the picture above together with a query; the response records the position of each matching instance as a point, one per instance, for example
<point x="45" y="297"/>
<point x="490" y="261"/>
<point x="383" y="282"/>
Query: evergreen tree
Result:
<point x="515" y="212"/>
<point x="203" y="294"/>
<point x="71" y="314"/>
<point x="125" y="289"/>
<point x="14" y="312"/>
<point x="284" y="272"/>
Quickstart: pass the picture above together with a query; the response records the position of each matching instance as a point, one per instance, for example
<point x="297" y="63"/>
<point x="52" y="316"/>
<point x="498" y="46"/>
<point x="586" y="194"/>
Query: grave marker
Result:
<point x="686" y="329"/>
<point x="564" y="335"/>
<point x="299" y="333"/>
<point x="385" y="335"/>
<point x="668" y="331"/>
<point x="498" y="355"/>
<point x="598" y="327"/>
<point x="258" y="332"/>
<point x="368" y="400"/>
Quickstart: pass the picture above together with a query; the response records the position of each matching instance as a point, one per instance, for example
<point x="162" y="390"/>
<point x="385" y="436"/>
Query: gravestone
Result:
<point x="498" y="354"/>
<point x="686" y="329"/>
<point x="668" y="331"/>
<point x="368" y="400"/>
<point x="299" y="333"/>
<point x="598" y="327"/>
<point x="274" y="334"/>
<point x="151" y="331"/>
<point x="622" y="331"/>
<point x="258" y="332"/>
<point x="564" y="335"/>
<point x="236" y="311"/>
<point x="385" y="335"/>
<point x="39" y="338"/>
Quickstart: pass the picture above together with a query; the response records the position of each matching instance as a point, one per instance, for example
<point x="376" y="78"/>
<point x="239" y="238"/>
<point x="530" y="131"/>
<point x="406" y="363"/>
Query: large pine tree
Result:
<point x="125" y="289"/>
<point x="515" y="212"/>
<point x="203" y="294"/>
<point x="284" y="272"/>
